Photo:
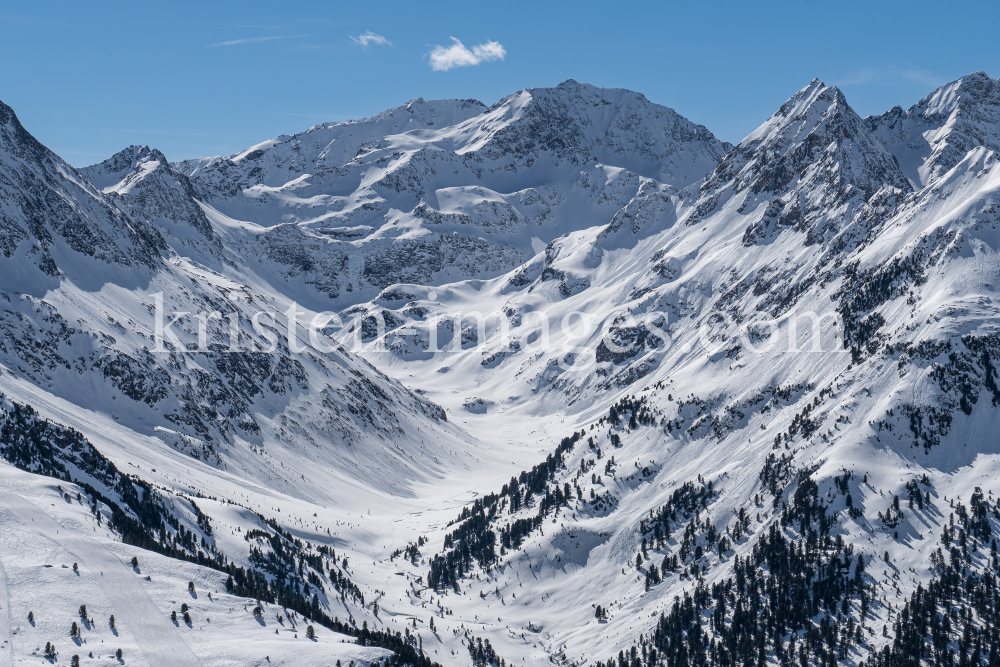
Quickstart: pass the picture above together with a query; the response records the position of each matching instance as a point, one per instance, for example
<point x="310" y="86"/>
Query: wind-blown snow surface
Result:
<point x="682" y="269"/>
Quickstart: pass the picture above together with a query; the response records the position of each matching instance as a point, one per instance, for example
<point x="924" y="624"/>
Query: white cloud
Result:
<point x="370" y="38"/>
<point x="444" y="58"/>
<point x="254" y="40"/>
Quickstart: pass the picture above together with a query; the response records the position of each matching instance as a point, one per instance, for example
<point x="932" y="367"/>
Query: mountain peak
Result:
<point x="960" y="95"/>
<point x="583" y="122"/>
<point x="16" y="139"/>
<point x="937" y="132"/>
<point x="816" y="120"/>
<point x="144" y="178"/>
<point x="106" y="174"/>
<point x="814" y="150"/>
<point x="811" y="106"/>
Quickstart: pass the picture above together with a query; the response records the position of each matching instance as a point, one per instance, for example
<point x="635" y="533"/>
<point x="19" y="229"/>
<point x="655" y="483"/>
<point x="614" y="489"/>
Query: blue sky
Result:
<point x="208" y="78"/>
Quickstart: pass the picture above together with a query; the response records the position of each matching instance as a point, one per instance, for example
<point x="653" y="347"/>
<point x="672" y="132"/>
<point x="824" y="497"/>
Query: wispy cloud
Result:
<point x="444" y="58"/>
<point x="890" y="73"/>
<point x="255" y="40"/>
<point x="368" y="37"/>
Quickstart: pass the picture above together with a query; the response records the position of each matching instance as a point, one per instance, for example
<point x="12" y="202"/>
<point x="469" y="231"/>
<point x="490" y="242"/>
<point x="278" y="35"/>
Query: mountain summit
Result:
<point x="145" y="181"/>
<point x="811" y="159"/>
<point x="937" y="132"/>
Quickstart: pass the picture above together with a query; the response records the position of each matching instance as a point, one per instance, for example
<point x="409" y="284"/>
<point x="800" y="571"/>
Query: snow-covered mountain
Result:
<point x="53" y="218"/>
<point x="432" y="192"/>
<point x="643" y="397"/>
<point x="937" y="132"/>
<point x="149" y="184"/>
<point x="705" y="310"/>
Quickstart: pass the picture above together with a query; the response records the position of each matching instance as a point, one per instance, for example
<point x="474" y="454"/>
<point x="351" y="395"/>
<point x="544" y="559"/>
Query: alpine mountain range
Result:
<point x="561" y="380"/>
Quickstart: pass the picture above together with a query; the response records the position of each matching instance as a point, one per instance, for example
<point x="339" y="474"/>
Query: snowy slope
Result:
<point x="46" y="536"/>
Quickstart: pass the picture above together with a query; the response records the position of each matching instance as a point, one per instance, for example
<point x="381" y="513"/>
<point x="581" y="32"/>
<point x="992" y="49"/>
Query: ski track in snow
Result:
<point x="157" y="638"/>
<point x="5" y="639"/>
